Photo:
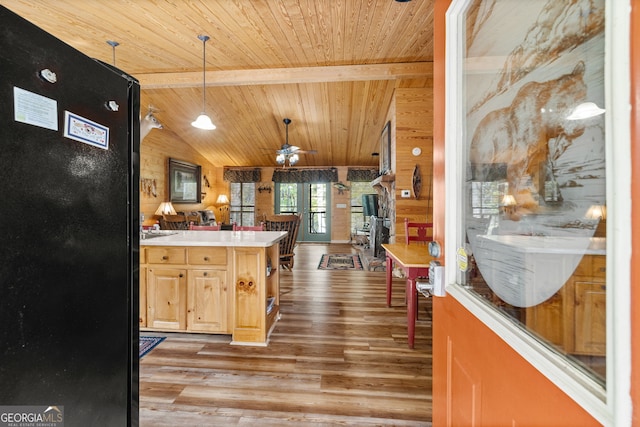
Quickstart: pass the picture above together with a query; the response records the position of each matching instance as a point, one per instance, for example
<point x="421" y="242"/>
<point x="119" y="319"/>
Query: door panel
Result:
<point x="311" y="201"/>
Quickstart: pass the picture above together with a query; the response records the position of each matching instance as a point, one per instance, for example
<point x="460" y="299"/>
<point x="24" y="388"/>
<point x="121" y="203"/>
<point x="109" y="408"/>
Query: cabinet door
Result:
<point x="166" y="298"/>
<point x="207" y="301"/>
<point x="546" y="319"/>
<point x="590" y="318"/>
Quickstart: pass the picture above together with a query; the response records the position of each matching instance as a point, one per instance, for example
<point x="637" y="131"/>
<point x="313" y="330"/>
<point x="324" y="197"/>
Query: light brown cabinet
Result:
<point x="167" y="298"/>
<point x="256" y="293"/>
<point x="574" y="319"/>
<point x="207" y="301"/>
<point x="223" y="290"/>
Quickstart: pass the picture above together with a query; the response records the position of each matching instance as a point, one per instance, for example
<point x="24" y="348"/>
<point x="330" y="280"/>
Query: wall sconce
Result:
<point x="223" y="201"/>
<point x="264" y="188"/>
<point x="165" y="208"/>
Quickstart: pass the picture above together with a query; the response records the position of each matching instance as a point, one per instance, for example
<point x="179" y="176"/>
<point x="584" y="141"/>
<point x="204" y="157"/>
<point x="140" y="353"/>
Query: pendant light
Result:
<point x="203" y="121"/>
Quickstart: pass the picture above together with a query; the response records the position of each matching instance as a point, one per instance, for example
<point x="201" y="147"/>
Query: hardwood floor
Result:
<point x="338" y="357"/>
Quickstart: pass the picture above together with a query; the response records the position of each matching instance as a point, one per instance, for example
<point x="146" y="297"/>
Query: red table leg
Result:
<point x="389" y="268"/>
<point x="411" y="310"/>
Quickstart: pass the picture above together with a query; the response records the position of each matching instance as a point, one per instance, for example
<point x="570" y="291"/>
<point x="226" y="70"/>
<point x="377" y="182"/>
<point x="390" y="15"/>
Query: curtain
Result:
<point x="361" y="175"/>
<point x="242" y="175"/>
<point x="305" y="175"/>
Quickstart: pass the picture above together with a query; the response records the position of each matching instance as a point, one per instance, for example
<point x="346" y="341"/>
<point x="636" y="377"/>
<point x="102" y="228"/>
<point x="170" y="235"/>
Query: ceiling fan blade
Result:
<point x="307" y="151"/>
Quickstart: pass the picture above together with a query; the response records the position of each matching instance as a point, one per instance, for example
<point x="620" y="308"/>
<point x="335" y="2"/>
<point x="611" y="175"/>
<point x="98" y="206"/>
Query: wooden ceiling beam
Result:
<point x="338" y="73"/>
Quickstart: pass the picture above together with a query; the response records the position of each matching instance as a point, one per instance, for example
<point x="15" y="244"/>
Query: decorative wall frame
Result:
<point x="184" y="182"/>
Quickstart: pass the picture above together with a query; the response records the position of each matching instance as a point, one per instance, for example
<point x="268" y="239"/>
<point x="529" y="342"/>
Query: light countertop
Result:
<point x="549" y="244"/>
<point x="212" y="238"/>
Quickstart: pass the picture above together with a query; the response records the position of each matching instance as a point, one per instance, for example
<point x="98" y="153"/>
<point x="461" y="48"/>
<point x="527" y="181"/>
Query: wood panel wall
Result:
<point x="155" y="151"/>
<point x="414" y="128"/>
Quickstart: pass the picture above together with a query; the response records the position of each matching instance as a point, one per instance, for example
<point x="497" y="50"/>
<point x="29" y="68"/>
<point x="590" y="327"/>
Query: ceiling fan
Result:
<point x="290" y="152"/>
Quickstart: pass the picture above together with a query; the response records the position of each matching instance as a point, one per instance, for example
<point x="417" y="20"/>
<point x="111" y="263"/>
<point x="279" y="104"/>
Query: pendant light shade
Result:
<point x="203" y="121"/>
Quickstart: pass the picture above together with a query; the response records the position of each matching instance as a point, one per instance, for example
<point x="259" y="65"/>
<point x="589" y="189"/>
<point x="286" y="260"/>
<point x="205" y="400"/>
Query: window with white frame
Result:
<point x="527" y="170"/>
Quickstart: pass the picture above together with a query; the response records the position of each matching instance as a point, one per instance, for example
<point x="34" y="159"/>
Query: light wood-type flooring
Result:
<point x="338" y="357"/>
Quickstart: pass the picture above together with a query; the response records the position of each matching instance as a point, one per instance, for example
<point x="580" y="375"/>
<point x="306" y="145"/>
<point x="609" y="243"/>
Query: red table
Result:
<point x="414" y="261"/>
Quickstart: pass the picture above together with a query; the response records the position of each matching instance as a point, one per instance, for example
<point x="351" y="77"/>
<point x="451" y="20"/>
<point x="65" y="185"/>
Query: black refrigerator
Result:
<point x="69" y="173"/>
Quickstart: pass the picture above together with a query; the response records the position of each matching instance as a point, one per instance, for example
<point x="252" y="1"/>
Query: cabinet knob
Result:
<point x="164" y="257"/>
<point x="180" y="275"/>
<point x="206" y="258"/>
<point x="206" y="274"/>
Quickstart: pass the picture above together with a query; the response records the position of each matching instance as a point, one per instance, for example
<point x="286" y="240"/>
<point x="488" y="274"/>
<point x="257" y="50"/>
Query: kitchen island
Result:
<point x="216" y="282"/>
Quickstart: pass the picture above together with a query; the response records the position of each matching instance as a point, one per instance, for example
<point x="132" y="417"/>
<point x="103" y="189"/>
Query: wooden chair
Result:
<point x="248" y="227"/>
<point x="174" y="222"/>
<point x="193" y="217"/>
<point x="290" y="224"/>
<point x="418" y="231"/>
<point x="204" y="227"/>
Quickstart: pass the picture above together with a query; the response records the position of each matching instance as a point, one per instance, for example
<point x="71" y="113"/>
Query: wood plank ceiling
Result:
<point x="329" y="65"/>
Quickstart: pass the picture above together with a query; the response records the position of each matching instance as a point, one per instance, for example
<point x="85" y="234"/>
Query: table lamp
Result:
<point x="165" y="208"/>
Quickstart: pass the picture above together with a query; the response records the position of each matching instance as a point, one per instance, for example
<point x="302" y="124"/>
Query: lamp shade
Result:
<point x="222" y="199"/>
<point x="165" y="208"/>
<point x="508" y="200"/>
<point x="597" y="212"/>
<point x="203" y="122"/>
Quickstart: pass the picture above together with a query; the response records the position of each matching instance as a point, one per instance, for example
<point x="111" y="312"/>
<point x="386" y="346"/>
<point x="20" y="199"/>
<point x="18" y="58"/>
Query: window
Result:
<point x="243" y="203"/>
<point x="527" y="246"/>
<point x="287" y="198"/>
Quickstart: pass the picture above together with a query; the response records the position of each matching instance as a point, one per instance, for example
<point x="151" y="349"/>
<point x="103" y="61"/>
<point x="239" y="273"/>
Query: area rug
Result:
<point x="340" y="262"/>
<point x="149" y="343"/>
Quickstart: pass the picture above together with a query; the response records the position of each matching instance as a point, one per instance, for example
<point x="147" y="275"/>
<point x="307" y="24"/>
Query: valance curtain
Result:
<point x="305" y="175"/>
<point x="242" y="175"/>
<point x="361" y="175"/>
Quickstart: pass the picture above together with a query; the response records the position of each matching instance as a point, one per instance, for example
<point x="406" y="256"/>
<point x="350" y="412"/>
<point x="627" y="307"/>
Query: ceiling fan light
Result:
<point x="293" y="159"/>
<point x="280" y="159"/>
<point x="203" y="122"/>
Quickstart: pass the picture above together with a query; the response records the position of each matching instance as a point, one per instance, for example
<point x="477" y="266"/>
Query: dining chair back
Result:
<point x="174" y="222"/>
<point x="204" y="227"/>
<point x="417" y="231"/>
<point x="248" y="227"/>
<point x="290" y="224"/>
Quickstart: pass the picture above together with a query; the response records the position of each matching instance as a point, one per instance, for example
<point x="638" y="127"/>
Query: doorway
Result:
<point x="311" y="201"/>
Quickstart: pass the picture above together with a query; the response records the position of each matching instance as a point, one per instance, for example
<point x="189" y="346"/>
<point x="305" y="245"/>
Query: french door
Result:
<point x="311" y="201"/>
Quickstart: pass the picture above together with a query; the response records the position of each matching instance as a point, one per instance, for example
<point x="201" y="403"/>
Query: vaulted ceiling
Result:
<point x="331" y="66"/>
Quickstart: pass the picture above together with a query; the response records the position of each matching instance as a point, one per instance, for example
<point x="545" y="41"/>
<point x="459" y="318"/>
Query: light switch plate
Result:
<point x="405" y="193"/>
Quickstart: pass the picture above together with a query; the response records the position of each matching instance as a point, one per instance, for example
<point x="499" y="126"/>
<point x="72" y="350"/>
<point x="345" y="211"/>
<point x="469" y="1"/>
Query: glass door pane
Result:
<point x="315" y="221"/>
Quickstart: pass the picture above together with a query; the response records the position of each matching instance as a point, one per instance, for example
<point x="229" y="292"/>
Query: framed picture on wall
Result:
<point x="184" y="182"/>
<point x="385" y="149"/>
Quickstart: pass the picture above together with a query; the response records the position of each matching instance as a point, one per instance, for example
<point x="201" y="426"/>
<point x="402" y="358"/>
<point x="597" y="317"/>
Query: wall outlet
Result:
<point x="405" y="193"/>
